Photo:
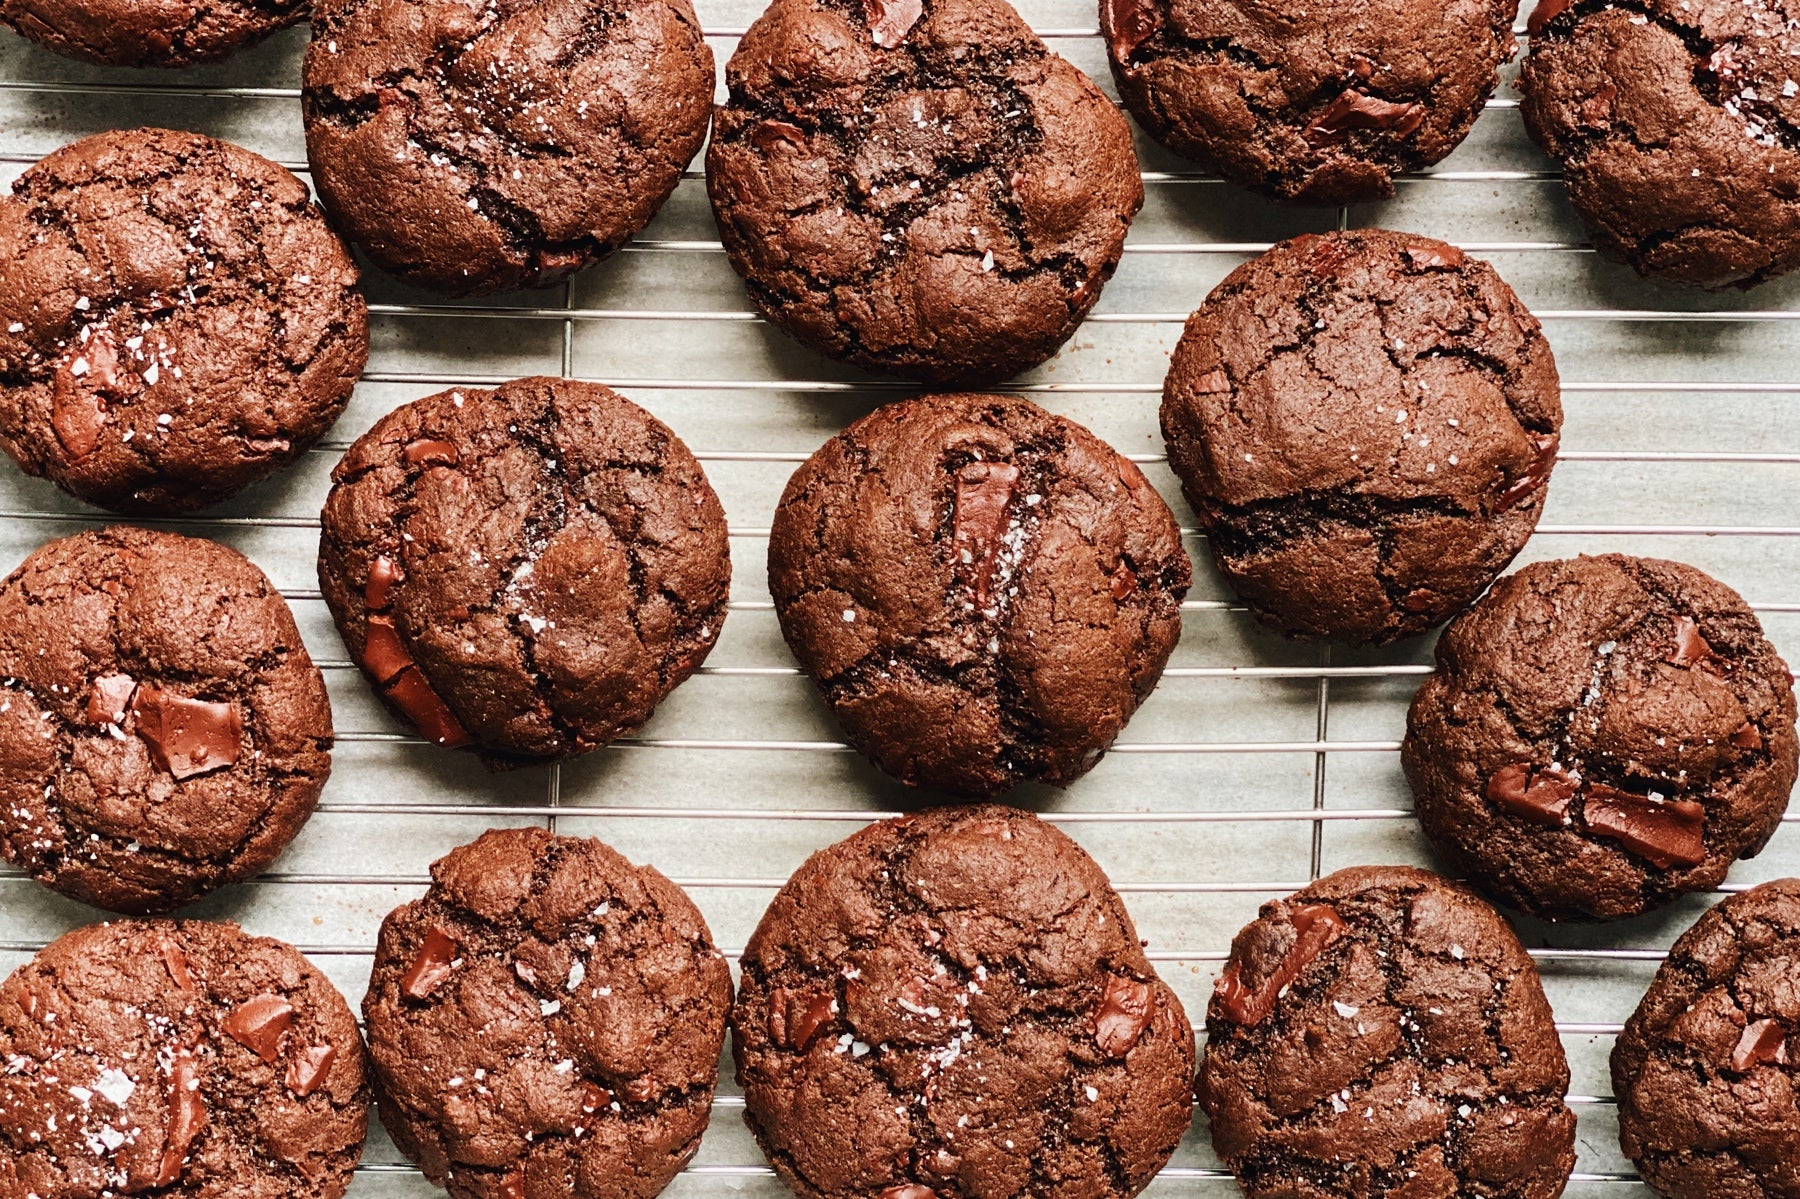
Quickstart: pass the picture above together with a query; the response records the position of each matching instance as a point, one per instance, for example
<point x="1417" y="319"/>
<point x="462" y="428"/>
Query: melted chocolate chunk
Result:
<point x="176" y="963"/>
<point x="186" y="736"/>
<point x="384" y="655"/>
<point x="1542" y="798"/>
<point x="187" y="1112"/>
<point x="594" y="1098"/>
<point x="1747" y="737"/>
<point x="1124" y="1014"/>
<point x="984" y="493"/>
<point x="1691" y="648"/>
<point x="1132" y="23"/>
<point x="309" y="1068"/>
<point x="258" y="1025"/>
<point x="1763" y="1042"/>
<point x="1546" y="12"/>
<point x="430" y="966"/>
<point x="84" y="382"/>
<point x="110" y="700"/>
<point x="513" y="1185"/>
<point x="1353" y="110"/>
<point x="1434" y="255"/>
<point x="386" y="658"/>
<point x="430" y="452"/>
<point x="378" y="589"/>
<point x="1521" y="488"/>
<point x="1315" y="926"/>
<point x="770" y="134"/>
<point x="426" y="709"/>
<point x="796" y="1020"/>
<point x="909" y="1190"/>
<point x="891" y="20"/>
<point x="1668" y="833"/>
<point x="1124" y="581"/>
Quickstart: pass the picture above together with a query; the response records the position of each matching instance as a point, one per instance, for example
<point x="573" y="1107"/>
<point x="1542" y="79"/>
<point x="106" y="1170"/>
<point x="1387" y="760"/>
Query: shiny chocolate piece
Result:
<point x="1668" y="833"/>
<point x="1129" y="24"/>
<point x="770" y="134"/>
<point x="984" y="492"/>
<point x="430" y="966"/>
<point x="1433" y="255"/>
<point x="427" y="451"/>
<point x="891" y="20"/>
<point x="1747" y="736"/>
<point x="186" y="736"/>
<point x="426" y="709"/>
<point x="176" y="963"/>
<point x="110" y="700"/>
<point x="259" y="1023"/>
<point x="309" y="1068"/>
<point x="1521" y="488"/>
<point x="1124" y="581"/>
<point x="1315" y="927"/>
<point x="1353" y="110"/>
<point x="796" y="1020"/>
<point x="187" y="1112"/>
<point x="1691" y="649"/>
<point x="378" y="589"/>
<point x="1124" y="1013"/>
<point x="909" y="1190"/>
<point x="1542" y="797"/>
<point x="1546" y="12"/>
<point x="1763" y="1042"/>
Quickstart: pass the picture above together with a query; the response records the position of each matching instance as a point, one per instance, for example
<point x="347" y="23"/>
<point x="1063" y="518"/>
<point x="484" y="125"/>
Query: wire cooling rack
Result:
<point x="1257" y="765"/>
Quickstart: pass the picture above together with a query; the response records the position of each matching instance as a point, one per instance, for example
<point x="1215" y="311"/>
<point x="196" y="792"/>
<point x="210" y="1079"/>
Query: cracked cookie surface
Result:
<point x="1602" y="735"/>
<point x="546" y="1022"/>
<point x="919" y="186"/>
<point x="1383" y="1033"/>
<point x="1365" y="424"/>
<point x="163" y="731"/>
<point x="480" y="146"/>
<point x="1677" y="125"/>
<point x="956" y="1003"/>
<point x="530" y="570"/>
<point x="1705" y="1069"/>
<point x="187" y="1059"/>
<point x="1321" y="104"/>
<point x="149" y="33"/>
<point x="983" y="592"/>
<point x="177" y="321"/>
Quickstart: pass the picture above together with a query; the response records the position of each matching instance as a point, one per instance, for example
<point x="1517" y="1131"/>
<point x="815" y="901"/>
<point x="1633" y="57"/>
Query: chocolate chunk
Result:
<point x="1124" y="581"/>
<point x="1546" y="12"/>
<point x="187" y="1112"/>
<point x="1430" y="255"/>
<point x="1596" y="110"/>
<point x="1764" y="1041"/>
<point x="795" y="1020"/>
<point x="769" y="134"/>
<point x="384" y="655"/>
<point x="378" y="590"/>
<point x="909" y="1190"/>
<point x="983" y="499"/>
<point x="1747" y="737"/>
<point x="430" y="966"/>
<point x="426" y="709"/>
<point x="309" y="1068"/>
<point x="891" y="20"/>
<point x="259" y="1023"/>
<point x="87" y="378"/>
<point x="1124" y="1014"/>
<point x="594" y="1098"/>
<point x="513" y="1185"/>
<point x="186" y="736"/>
<point x="1315" y="926"/>
<point x="1691" y="648"/>
<point x="1542" y="798"/>
<point x="1129" y="24"/>
<point x="1521" y="488"/>
<point x="176" y="963"/>
<point x="1353" y="110"/>
<point x="641" y="1089"/>
<point x="1666" y="832"/>
<point x="427" y="451"/>
<point x="1212" y="382"/>
<point x="110" y="700"/>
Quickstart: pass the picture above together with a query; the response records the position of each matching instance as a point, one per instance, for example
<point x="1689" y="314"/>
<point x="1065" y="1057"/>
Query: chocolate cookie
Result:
<point x="1677" y="125"/>
<point x="188" y="1059"/>
<point x="546" y="1021"/>
<point x="1322" y="104"/>
<point x="1602" y="735"/>
<point x="956" y="1003"/>
<point x="176" y="320"/>
<point x="146" y="33"/>
<point x="162" y="730"/>
<point x="1383" y="1033"/>
<point x="482" y="148"/>
<point x="528" y="570"/>
<point x="919" y="186"/>
<point x="984" y="592"/>
<point x="1364" y="423"/>
<point x="1705" y="1069"/>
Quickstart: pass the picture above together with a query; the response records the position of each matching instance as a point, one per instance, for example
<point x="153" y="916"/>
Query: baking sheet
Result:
<point x="1258" y="763"/>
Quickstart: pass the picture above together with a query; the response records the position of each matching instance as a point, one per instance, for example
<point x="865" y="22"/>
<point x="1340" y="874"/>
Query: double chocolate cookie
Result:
<point x="162" y="730"/>
<point x="146" y="33"/>
<point x="186" y="1059"/>
<point x="176" y="320"/>
<point x="1602" y="735"/>
<point x="1323" y="103"/>
<point x="983" y="592"/>
<point x="1677" y="125"/>
<point x="1705" y="1069"/>
<point x="919" y="186"/>
<point x="1364" y="423"/>
<point x="478" y="148"/>
<point x="546" y="1021"/>
<point x="1383" y="1033"/>
<point x="528" y="570"/>
<point x="956" y="1003"/>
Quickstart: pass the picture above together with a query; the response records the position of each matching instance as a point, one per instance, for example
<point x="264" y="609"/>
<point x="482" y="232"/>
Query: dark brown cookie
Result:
<point x="1322" y="103"/>
<point x="1677" y="125"/>
<point x="162" y="730"/>
<point x="529" y="570"/>
<point x="176" y="320"/>
<point x="984" y="592"/>
<point x="1602" y="735"/>
<point x="919" y="186"/>
<point x="186" y="1059"/>
<point x="546" y="1021"/>
<point x="482" y="148"/>
<point x="149" y="33"/>
<point x="1383" y="1033"/>
<point x="1364" y="423"/>
<point x="956" y="1003"/>
<point x="1705" y="1069"/>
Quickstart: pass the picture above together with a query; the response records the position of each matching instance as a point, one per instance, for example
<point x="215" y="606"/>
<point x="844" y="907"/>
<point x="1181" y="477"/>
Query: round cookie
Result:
<point x="1383" y="1033"/>
<point x="529" y="570"/>
<point x="189" y="1059"/>
<point x="956" y="1003"/>
<point x="1601" y="736"/>
<point x="919" y="187"/>
<point x="1364" y="423"/>
<point x="162" y="730"/>
<point x="983" y="592"/>
<point x="1321" y="104"/>
<point x="1674" y="123"/>
<point x="478" y="148"/>
<point x="177" y="321"/>
<point x="1704" y="1071"/>
<point x="149" y="33"/>
<point x="547" y="1020"/>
